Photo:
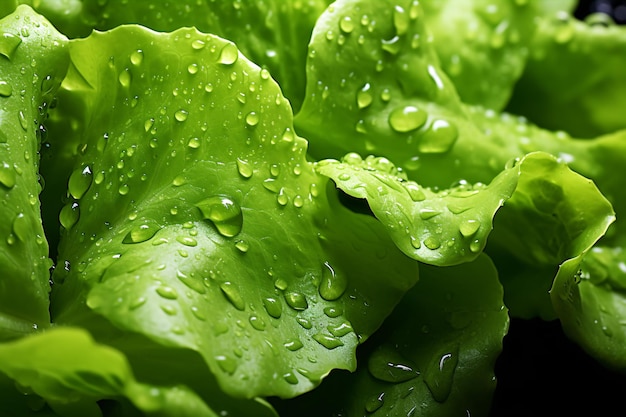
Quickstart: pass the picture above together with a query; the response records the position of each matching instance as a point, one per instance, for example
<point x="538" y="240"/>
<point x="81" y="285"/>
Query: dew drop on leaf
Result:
<point x="232" y="294"/>
<point x="439" y="374"/>
<point x="69" y="215"/>
<point x="273" y="307"/>
<point x="296" y="300"/>
<point x="332" y="285"/>
<point x="224" y="213"/>
<point x="328" y="341"/>
<point x="5" y="89"/>
<point x="386" y="364"/>
<point x="142" y="232"/>
<point x="80" y="181"/>
<point x="8" y="44"/>
<point x="8" y="175"/>
<point x="407" y="118"/>
<point x="228" y="55"/>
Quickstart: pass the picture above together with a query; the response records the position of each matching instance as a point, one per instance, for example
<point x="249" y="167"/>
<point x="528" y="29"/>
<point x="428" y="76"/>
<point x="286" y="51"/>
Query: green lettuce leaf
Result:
<point x="574" y="80"/>
<point x="434" y="355"/>
<point x="589" y="296"/>
<point x="273" y="34"/>
<point x="194" y="218"/>
<point x="33" y="61"/>
<point x="482" y="45"/>
<point x="63" y="372"/>
<point x="444" y="227"/>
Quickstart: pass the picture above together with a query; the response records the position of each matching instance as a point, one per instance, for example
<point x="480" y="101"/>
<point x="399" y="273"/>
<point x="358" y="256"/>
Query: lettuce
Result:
<point x="337" y="207"/>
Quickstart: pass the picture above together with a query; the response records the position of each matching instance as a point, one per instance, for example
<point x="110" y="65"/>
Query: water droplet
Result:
<point x="439" y="137"/>
<point x="8" y="44"/>
<point x="390" y="45"/>
<point x="375" y="402"/>
<point x="142" y="232"/>
<point x="414" y="190"/>
<point x="244" y="168"/>
<point x="8" y="175"/>
<point x="198" y="44"/>
<point x="296" y="300"/>
<point x="224" y="213"/>
<point x="333" y="312"/>
<point x="168" y="293"/>
<point x="346" y="24"/>
<point x="136" y="58"/>
<point x="440" y="372"/>
<point x="226" y="364"/>
<point x="432" y="243"/>
<point x="469" y="227"/>
<point x="475" y="246"/>
<point x="228" y="55"/>
<point x="137" y="302"/>
<point x="181" y="115"/>
<point x="341" y="329"/>
<point x="428" y="213"/>
<point x="252" y="119"/>
<point x="193" y="68"/>
<point x="80" y="181"/>
<point x="242" y="246"/>
<point x="400" y="20"/>
<point x="5" y="89"/>
<point x="364" y="96"/>
<point x="386" y="364"/>
<point x="69" y="215"/>
<point x="20" y="227"/>
<point x="328" y="341"/>
<point x="194" y="143"/>
<point x="187" y="241"/>
<point x="123" y="189"/>
<point x="305" y="323"/>
<point x="191" y="282"/>
<point x="256" y="322"/>
<point x="22" y="119"/>
<point x="291" y="378"/>
<point x="332" y="285"/>
<point x="407" y="118"/>
<point x="233" y="295"/>
<point x="124" y="78"/>
<point x="273" y="307"/>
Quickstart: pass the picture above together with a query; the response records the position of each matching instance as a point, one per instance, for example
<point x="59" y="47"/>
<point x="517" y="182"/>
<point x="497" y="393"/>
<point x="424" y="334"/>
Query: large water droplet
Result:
<point x="293" y="345"/>
<point x="346" y="24"/>
<point x="386" y="364"/>
<point x="296" y="300"/>
<point x="364" y="96"/>
<point x="469" y="227"/>
<point x="69" y="215"/>
<point x="142" y="232"/>
<point x="407" y="118"/>
<point x="191" y="282"/>
<point x="332" y="285"/>
<point x="168" y="293"/>
<point x="226" y="364"/>
<point x="136" y="57"/>
<point x="8" y="175"/>
<point x="228" y="55"/>
<point x="8" y="44"/>
<point x="244" y="168"/>
<point x="328" y="341"/>
<point x="124" y="78"/>
<point x="273" y="307"/>
<point x="181" y="115"/>
<point x="375" y="402"/>
<point x="439" y="138"/>
<point x="80" y="181"/>
<point x="400" y="20"/>
<point x="20" y="227"/>
<point x="439" y="374"/>
<point x="233" y="295"/>
<point x="224" y="213"/>
<point x="5" y="89"/>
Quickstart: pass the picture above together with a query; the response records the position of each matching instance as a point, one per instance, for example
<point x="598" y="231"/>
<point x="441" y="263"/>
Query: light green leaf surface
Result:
<point x="482" y="45"/>
<point x="194" y="218"/>
<point x="64" y="370"/>
<point x="434" y="356"/>
<point x="574" y="80"/>
<point x="33" y="61"/>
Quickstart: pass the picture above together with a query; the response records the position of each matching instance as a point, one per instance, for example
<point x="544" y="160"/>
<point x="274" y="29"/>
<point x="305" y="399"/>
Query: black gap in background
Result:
<point x="542" y="373"/>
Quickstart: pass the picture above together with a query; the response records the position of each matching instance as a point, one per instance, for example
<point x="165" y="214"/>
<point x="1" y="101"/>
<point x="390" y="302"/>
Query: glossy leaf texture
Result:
<point x="273" y="34"/>
<point x="64" y="372"/>
<point x="33" y="61"/>
<point x="482" y="45"/>
<point x="193" y="218"/>
<point x="574" y="79"/>
<point x="444" y="227"/>
<point x="434" y="356"/>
